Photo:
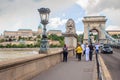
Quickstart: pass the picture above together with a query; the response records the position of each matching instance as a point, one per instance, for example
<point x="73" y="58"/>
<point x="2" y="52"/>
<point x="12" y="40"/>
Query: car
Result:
<point x="106" y="49"/>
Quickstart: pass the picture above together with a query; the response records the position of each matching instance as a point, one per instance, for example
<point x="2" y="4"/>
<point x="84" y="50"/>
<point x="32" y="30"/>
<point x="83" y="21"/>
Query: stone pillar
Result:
<point x="70" y="40"/>
<point x="70" y="34"/>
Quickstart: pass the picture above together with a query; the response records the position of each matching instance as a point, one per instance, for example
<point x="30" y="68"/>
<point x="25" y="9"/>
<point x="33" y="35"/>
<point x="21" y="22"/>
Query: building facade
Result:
<point x="113" y="32"/>
<point x="23" y="33"/>
<point x="57" y="32"/>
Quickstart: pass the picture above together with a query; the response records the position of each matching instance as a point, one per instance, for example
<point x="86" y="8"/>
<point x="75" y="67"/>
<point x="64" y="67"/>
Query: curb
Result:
<point x="106" y="73"/>
<point x="95" y="70"/>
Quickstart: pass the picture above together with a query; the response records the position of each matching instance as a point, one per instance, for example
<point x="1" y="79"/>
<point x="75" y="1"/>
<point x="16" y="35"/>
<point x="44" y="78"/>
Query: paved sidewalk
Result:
<point x="71" y="70"/>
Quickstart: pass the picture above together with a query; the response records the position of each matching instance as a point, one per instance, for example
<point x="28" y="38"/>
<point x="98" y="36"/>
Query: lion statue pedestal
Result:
<point x="70" y="34"/>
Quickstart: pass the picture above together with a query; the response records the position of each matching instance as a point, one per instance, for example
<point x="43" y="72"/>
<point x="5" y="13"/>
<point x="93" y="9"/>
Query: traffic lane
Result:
<point x="112" y="61"/>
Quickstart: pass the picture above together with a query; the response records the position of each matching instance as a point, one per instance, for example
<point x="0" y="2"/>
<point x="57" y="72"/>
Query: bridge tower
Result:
<point x="94" y="24"/>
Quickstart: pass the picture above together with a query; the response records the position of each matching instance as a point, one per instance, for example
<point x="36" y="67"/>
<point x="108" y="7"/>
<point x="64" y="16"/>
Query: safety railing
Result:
<point x="102" y="71"/>
<point x="99" y="69"/>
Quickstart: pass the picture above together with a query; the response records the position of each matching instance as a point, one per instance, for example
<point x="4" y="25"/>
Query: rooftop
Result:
<point x="113" y="30"/>
<point x="24" y="29"/>
<point x="55" y="30"/>
<point x="40" y="26"/>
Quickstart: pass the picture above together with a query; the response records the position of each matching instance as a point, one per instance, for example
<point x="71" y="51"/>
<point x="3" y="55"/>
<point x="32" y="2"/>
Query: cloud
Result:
<point x="96" y="6"/>
<point x="108" y="8"/>
<point x="113" y="16"/>
<point x="79" y="32"/>
<point x="78" y="20"/>
<point x="82" y="3"/>
<point x="57" y="22"/>
<point x="16" y="14"/>
<point x="112" y="27"/>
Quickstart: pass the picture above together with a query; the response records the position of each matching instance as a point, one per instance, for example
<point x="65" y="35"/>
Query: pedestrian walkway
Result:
<point x="71" y="70"/>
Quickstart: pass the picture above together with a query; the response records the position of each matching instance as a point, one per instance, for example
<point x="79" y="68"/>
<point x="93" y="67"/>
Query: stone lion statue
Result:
<point x="70" y="26"/>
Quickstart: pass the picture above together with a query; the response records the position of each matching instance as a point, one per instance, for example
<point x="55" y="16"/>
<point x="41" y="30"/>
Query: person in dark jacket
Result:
<point x="91" y="51"/>
<point x="65" y="53"/>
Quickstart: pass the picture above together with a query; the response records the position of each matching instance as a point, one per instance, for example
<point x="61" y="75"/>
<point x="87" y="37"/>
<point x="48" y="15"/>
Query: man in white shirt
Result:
<point x="83" y="48"/>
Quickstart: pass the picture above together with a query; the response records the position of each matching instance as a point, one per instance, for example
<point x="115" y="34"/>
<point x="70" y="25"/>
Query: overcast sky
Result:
<point x="23" y="14"/>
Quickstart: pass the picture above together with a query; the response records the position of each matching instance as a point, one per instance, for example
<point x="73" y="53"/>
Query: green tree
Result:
<point x="1" y="46"/>
<point x="95" y="37"/>
<point x="8" y="45"/>
<point x="38" y="36"/>
<point x="56" y="38"/>
<point x="115" y="36"/>
<point x="2" y="40"/>
<point x="80" y="38"/>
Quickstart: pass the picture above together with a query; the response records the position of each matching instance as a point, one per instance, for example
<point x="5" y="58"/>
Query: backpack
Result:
<point x="65" y="49"/>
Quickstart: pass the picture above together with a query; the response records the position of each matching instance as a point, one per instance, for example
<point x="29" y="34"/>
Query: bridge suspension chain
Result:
<point x="110" y="37"/>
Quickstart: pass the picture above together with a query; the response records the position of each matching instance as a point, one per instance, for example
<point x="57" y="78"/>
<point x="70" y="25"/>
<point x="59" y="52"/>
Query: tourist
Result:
<point x="87" y="50"/>
<point x="83" y="48"/>
<point x="79" y="51"/>
<point x="91" y="51"/>
<point x="97" y="48"/>
<point x="65" y="53"/>
<point x="76" y="53"/>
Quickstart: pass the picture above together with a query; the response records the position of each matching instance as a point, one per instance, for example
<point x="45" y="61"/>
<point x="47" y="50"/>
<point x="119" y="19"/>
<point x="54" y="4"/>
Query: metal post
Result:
<point x="89" y="41"/>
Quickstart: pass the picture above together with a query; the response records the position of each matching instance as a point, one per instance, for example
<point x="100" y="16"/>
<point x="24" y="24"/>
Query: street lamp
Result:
<point x="44" y="15"/>
<point x="89" y="34"/>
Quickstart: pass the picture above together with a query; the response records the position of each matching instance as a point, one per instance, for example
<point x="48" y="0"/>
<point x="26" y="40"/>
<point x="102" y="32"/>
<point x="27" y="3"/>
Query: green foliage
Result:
<point x="61" y="43"/>
<point x="14" y="46"/>
<point x="38" y="36"/>
<point x="95" y="37"/>
<point x="18" y="46"/>
<point x="56" y="38"/>
<point x="1" y="46"/>
<point x="21" y="45"/>
<point x="2" y="40"/>
<point x="38" y="40"/>
<point x="53" y="46"/>
<point x="8" y="46"/>
<point x="30" y="45"/>
<point x="80" y="38"/>
<point x="115" y="36"/>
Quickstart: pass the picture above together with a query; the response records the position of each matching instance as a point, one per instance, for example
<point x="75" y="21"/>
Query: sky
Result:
<point x="23" y="14"/>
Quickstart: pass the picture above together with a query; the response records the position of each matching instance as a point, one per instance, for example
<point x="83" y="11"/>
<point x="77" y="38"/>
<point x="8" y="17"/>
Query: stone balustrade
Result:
<point x="27" y="67"/>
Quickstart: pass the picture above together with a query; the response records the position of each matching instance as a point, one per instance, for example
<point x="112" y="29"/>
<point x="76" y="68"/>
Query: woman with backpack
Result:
<point x="65" y="53"/>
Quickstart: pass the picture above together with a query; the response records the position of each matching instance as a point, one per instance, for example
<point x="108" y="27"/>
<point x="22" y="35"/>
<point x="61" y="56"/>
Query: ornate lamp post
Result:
<point x="89" y="35"/>
<point x="44" y="15"/>
<point x="90" y="41"/>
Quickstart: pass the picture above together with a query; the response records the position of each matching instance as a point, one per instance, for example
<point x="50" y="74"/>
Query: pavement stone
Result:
<point x="71" y="70"/>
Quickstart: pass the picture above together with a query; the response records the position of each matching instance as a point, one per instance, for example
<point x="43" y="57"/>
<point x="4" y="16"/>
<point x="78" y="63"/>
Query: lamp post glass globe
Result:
<point x="44" y="15"/>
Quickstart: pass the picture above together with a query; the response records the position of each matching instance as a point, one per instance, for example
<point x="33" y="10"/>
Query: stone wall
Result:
<point x="28" y="67"/>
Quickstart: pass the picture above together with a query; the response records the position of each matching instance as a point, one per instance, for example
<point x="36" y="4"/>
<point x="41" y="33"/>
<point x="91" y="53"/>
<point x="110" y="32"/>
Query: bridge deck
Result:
<point x="71" y="70"/>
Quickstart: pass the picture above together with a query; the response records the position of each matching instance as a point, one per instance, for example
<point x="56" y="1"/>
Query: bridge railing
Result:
<point x="27" y="67"/>
<point x="99" y="71"/>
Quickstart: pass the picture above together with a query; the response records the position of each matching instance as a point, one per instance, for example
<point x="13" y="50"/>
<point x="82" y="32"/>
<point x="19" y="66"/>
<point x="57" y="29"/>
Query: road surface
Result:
<point x="112" y="62"/>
